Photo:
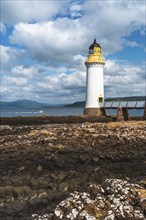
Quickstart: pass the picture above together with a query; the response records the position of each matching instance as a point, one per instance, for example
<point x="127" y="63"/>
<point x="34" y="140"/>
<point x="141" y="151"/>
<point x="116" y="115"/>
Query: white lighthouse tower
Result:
<point x="94" y="81"/>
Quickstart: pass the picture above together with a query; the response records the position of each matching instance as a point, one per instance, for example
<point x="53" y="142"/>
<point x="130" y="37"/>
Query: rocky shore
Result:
<point x="45" y="164"/>
<point x="115" y="199"/>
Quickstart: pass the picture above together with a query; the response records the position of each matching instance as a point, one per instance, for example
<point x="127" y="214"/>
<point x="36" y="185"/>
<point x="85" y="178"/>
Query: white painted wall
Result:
<point x="94" y="84"/>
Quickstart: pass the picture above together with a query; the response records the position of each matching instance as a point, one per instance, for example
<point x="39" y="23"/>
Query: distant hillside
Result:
<point x="117" y="99"/>
<point x="22" y="104"/>
<point x="33" y="104"/>
<point x="131" y="98"/>
<point x="76" y="104"/>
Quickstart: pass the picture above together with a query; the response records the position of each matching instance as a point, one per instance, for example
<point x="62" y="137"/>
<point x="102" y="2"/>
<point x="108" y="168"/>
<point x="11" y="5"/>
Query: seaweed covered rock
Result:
<point x="115" y="199"/>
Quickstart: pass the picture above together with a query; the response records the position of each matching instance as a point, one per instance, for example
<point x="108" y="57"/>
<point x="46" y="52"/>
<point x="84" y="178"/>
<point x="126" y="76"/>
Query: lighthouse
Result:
<point x="94" y="80"/>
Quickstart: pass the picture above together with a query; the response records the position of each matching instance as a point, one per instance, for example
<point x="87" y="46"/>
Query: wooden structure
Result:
<point x="122" y="108"/>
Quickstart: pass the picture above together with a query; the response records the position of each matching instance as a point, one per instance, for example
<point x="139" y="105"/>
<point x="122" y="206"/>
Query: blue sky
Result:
<point x="44" y="45"/>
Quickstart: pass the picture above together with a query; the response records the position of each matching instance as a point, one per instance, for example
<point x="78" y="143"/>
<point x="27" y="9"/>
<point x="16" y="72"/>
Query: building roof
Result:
<point x="94" y="44"/>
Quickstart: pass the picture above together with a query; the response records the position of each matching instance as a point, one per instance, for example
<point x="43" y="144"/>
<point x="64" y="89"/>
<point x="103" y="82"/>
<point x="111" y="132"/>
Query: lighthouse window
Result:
<point x="100" y="99"/>
<point x="91" y="51"/>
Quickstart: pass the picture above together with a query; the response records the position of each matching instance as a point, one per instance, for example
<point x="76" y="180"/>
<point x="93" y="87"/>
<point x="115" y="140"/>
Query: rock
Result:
<point x="21" y="168"/>
<point x="34" y="183"/>
<point x="5" y="128"/>
<point x="26" y="180"/>
<point x="2" y="191"/>
<point x="63" y="186"/>
<point x="26" y="190"/>
<point x="8" y="182"/>
<point x="17" y="181"/>
<point x="17" y="191"/>
<point x="43" y="182"/>
<point x="142" y="203"/>
<point x="39" y="168"/>
<point x="109" y="201"/>
<point x="8" y="190"/>
<point x="9" y="199"/>
<point x="2" y="182"/>
<point x="61" y="176"/>
<point x="95" y="189"/>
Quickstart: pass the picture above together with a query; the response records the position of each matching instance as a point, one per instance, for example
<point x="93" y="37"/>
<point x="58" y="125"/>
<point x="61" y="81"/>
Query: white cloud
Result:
<point x="2" y="28"/>
<point x="14" y="12"/>
<point x="56" y="41"/>
<point x="62" y="85"/>
<point x="56" y="35"/>
<point x="76" y="10"/>
<point x="50" y="41"/>
<point x="10" y="56"/>
<point x="16" y="81"/>
<point x="132" y="44"/>
<point x="21" y="71"/>
<point x="68" y="85"/>
<point x="124" y="79"/>
<point x="113" y="20"/>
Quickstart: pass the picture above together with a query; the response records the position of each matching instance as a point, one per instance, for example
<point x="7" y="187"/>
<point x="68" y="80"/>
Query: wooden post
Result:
<point x="125" y="114"/>
<point x="144" y="114"/>
<point x="120" y="116"/>
<point x="103" y="111"/>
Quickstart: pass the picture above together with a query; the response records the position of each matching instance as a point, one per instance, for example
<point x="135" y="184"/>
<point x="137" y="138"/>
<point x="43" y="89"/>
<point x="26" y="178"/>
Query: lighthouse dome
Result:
<point x="94" y="44"/>
<point x="95" y="55"/>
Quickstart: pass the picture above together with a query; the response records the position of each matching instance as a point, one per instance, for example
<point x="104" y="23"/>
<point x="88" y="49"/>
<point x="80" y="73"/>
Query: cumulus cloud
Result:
<point x="2" y="28"/>
<point x="44" y="83"/>
<point x="31" y="11"/>
<point x="115" y="20"/>
<point x="56" y="41"/>
<point x="10" y="56"/>
<point x="16" y="81"/>
<point x="24" y="71"/>
<point x="50" y="41"/>
<point x="123" y="79"/>
<point x="76" y="10"/>
<point x="68" y="85"/>
<point x="132" y="44"/>
<point x="55" y="36"/>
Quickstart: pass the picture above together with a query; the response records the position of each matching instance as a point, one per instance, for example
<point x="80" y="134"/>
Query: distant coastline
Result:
<point x="34" y="104"/>
<point x="24" y="104"/>
<point x="116" y="99"/>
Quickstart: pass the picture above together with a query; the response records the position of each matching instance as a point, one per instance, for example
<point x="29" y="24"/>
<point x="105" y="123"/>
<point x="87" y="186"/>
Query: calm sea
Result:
<point x="13" y="112"/>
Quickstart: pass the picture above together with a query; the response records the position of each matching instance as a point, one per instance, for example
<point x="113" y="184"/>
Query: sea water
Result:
<point x="52" y="111"/>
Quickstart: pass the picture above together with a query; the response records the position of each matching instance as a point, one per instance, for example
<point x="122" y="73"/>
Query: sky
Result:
<point x="44" y="45"/>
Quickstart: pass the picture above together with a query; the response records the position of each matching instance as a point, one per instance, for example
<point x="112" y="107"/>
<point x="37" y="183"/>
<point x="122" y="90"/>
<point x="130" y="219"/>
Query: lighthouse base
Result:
<point x="95" y="111"/>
